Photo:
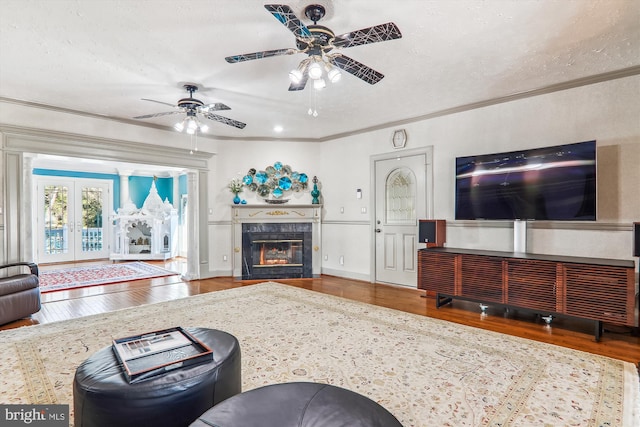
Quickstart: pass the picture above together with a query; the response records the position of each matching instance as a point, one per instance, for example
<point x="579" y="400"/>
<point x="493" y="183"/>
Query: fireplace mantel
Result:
<point x="289" y="213"/>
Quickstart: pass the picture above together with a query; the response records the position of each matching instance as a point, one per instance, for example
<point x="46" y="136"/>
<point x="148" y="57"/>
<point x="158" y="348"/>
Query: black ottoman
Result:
<point x="102" y="396"/>
<point x="297" y="405"/>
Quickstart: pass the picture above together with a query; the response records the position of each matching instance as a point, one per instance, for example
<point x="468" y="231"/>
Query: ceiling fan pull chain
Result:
<point x="313" y="103"/>
<point x="194" y="145"/>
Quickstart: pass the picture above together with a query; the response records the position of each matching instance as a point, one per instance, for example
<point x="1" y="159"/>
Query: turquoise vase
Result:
<point x="315" y="193"/>
<point x="236" y="199"/>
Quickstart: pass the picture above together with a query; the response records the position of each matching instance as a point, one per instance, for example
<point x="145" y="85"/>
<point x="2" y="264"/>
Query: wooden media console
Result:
<point x="598" y="289"/>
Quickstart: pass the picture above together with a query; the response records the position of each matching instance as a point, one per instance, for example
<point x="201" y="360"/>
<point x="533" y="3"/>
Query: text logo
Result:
<point x="34" y="415"/>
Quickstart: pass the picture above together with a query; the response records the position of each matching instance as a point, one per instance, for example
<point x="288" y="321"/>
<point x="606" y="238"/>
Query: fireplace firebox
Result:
<point x="276" y="250"/>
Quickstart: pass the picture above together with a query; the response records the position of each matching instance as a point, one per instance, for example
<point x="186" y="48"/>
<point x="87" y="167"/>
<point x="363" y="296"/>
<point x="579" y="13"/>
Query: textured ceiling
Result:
<point x="103" y="56"/>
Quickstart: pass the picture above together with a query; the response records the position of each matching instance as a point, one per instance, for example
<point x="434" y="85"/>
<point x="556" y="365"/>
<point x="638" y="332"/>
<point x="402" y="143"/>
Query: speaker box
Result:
<point x="433" y="232"/>
<point x="636" y="239"/>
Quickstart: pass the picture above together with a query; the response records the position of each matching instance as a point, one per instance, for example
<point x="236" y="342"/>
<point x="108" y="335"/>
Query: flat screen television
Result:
<point x="550" y="183"/>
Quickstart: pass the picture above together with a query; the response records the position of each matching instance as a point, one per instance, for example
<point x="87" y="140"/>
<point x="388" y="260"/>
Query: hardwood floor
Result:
<point x="618" y="342"/>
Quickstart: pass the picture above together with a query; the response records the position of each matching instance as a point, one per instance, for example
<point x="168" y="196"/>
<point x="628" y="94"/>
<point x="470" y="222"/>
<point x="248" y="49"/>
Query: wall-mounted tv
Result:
<point x="550" y="183"/>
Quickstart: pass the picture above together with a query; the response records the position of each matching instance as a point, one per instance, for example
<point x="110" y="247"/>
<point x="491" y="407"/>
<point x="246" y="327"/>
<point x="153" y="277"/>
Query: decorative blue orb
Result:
<point x="303" y="178"/>
<point x="247" y="179"/>
<point x="277" y="193"/>
<point x="277" y="165"/>
<point x="261" y="177"/>
<point x="284" y="183"/>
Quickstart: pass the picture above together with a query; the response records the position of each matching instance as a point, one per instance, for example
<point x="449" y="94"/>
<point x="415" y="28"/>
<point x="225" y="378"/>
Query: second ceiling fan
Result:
<point x="319" y="42"/>
<point x="192" y="107"/>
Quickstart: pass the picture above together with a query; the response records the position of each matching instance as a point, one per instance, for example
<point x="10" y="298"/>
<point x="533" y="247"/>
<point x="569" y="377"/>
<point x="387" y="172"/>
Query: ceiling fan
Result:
<point x="318" y="42"/>
<point x="192" y="107"/>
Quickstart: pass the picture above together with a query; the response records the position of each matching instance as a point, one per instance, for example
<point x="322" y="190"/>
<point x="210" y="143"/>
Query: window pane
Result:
<point x="56" y="219"/>
<point x="400" y="197"/>
<point x="91" y="219"/>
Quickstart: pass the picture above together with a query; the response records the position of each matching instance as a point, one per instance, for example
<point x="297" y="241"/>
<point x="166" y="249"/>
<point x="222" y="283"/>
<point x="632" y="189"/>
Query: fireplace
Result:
<point x="276" y="250"/>
<point x="282" y="236"/>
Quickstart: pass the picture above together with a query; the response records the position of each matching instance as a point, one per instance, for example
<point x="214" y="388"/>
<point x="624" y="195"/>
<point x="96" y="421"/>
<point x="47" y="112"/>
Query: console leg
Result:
<point x="599" y="330"/>
<point x="442" y="300"/>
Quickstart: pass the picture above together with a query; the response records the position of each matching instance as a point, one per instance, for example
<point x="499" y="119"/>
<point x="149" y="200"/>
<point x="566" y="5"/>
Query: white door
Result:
<point x="400" y="200"/>
<point x="72" y="219"/>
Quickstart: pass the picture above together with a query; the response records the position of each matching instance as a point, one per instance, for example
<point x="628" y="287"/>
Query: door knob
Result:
<point x="378" y="230"/>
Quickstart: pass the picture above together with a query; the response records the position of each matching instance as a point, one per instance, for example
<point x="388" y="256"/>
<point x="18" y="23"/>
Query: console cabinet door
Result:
<point x="533" y="284"/>
<point x="482" y="278"/>
<point x="600" y="293"/>
<point x="437" y="272"/>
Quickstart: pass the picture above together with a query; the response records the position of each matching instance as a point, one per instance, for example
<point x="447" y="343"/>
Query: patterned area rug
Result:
<point x="427" y="372"/>
<point x="79" y="277"/>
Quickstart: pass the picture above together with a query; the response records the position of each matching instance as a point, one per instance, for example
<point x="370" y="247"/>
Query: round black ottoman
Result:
<point x="102" y="396"/>
<point x="297" y="405"/>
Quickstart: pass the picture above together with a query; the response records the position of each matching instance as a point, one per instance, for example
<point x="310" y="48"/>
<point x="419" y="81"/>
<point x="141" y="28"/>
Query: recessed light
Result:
<point x="278" y="128"/>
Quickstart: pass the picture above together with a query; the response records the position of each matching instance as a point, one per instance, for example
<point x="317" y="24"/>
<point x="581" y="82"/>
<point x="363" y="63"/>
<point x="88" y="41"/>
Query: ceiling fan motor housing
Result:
<point x="190" y="103"/>
<point x="321" y="37"/>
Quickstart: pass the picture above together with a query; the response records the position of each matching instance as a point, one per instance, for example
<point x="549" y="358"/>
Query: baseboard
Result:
<point x="346" y="274"/>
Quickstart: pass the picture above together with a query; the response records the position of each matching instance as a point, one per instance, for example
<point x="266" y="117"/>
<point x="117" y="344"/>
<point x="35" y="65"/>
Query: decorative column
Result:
<point x="193" y="231"/>
<point x="28" y="200"/>
<point x="124" y="187"/>
<point x="176" y="189"/>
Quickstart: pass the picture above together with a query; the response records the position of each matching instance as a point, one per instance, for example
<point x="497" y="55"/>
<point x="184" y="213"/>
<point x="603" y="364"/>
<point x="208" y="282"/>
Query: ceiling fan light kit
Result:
<point x="315" y="70"/>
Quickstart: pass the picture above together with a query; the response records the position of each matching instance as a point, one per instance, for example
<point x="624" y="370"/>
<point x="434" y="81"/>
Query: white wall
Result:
<point x="608" y="112"/>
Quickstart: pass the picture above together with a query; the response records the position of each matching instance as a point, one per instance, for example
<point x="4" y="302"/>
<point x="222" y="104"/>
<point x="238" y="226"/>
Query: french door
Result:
<point x="72" y="219"/>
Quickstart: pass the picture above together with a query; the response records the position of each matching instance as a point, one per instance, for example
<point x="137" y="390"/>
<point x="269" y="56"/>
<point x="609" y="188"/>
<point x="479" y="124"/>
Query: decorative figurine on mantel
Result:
<point x="315" y="193"/>
<point x="235" y="186"/>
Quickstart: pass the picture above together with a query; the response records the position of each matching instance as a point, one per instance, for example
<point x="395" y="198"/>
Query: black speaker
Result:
<point x="636" y="239"/>
<point x="433" y="232"/>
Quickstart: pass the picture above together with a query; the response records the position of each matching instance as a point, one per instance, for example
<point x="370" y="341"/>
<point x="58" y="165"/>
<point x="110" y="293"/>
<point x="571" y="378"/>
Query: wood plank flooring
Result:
<point x="618" y="342"/>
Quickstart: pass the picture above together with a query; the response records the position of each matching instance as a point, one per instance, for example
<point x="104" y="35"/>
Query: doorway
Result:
<point x="402" y="196"/>
<point x="72" y="219"/>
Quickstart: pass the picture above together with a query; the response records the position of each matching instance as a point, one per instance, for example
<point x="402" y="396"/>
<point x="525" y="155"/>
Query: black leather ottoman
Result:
<point x="297" y="405"/>
<point x="102" y="396"/>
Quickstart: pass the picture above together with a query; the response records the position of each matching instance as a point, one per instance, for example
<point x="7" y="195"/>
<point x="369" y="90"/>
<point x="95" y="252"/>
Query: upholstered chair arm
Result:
<point x="32" y="266"/>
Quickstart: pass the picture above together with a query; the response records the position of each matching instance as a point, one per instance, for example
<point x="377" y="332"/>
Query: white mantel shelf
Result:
<point x="265" y="213"/>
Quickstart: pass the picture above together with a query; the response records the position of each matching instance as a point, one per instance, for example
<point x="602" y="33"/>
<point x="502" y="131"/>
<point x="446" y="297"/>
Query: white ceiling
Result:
<point x="103" y="56"/>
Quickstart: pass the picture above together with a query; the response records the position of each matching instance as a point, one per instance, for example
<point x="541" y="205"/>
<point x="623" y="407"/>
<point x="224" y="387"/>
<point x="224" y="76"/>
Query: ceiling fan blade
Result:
<point x="148" y="116"/>
<point x="225" y="120"/>
<point x="218" y="106"/>
<point x="285" y="15"/>
<point x="377" y="33"/>
<point x="259" y="55"/>
<point x="159" y="102"/>
<point x="356" y="68"/>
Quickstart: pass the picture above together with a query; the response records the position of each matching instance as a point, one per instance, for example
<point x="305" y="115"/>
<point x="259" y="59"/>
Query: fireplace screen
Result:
<point x="267" y="253"/>
<point x="276" y="251"/>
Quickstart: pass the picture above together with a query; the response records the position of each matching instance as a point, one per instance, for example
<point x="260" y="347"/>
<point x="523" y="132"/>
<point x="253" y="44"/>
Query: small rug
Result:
<point x="427" y="372"/>
<point x="79" y="277"/>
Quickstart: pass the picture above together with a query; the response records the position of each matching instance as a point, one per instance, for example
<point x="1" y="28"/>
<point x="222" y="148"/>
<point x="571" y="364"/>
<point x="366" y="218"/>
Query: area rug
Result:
<point x="427" y="372"/>
<point x="78" y="277"/>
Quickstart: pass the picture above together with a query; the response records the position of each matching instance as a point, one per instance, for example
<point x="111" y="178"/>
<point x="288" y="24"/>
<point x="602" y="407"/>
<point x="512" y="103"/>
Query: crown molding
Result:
<point x="570" y="84"/>
<point x="30" y="140"/>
